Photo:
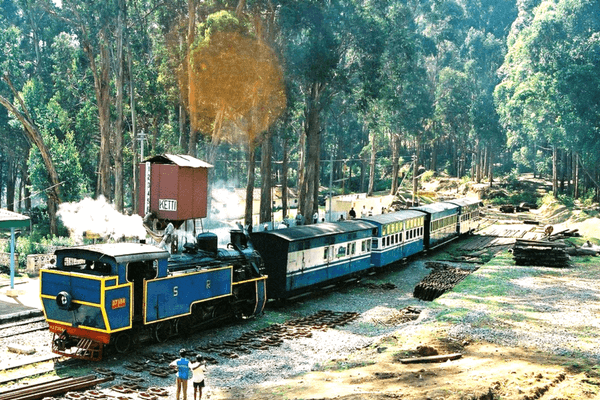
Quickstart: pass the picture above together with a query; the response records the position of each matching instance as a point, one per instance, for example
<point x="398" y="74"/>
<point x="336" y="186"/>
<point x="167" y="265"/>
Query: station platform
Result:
<point x="21" y="302"/>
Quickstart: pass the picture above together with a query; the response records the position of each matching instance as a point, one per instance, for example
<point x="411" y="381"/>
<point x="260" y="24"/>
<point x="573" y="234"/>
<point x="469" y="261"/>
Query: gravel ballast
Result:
<point x="555" y="311"/>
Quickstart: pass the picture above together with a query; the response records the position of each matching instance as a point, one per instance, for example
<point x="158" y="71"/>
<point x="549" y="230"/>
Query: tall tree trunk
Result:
<point x="372" y="163"/>
<point x="576" y="175"/>
<point x="284" y="179"/>
<point x="363" y="174"/>
<point x="193" y="138"/>
<point x="120" y="86"/>
<point x="479" y="162"/>
<point x="434" y="153"/>
<point x="395" y="163"/>
<point x="313" y="136"/>
<point x="34" y="136"/>
<point x="1" y="169"/>
<point x="554" y="171"/>
<point x="491" y="167"/>
<point x="184" y="136"/>
<point x="250" y="184"/>
<point x="10" y="185"/>
<point x="102" y="89"/>
<point x="562" y="154"/>
<point x="301" y="182"/>
<point x="266" y="173"/>
<point x="415" y="188"/>
<point x="134" y="150"/>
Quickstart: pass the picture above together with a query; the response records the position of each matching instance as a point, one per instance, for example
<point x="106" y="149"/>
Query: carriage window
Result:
<point x="325" y="253"/>
<point x="353" y="247"/>
<point x="341" y="252"/>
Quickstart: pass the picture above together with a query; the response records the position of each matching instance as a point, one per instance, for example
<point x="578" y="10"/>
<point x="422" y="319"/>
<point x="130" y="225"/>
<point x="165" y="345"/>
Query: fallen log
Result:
<point x="429" y="359"/>
<point x="579" y="251"/>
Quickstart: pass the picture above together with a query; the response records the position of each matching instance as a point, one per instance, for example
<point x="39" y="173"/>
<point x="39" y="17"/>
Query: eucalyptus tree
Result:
<point x="92" y="23"/>
<point x="22" y="68"/>
<point x="314" y="47"/>
<point x="550" y="85"/>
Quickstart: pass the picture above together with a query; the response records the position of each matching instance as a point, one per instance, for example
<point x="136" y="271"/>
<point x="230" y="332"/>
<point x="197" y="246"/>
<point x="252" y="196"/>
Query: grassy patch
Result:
<point x="341" y="365"/>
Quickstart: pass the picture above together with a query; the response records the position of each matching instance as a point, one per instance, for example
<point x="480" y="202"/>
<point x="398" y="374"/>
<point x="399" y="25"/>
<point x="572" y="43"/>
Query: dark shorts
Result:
<point x="199" y="384"/>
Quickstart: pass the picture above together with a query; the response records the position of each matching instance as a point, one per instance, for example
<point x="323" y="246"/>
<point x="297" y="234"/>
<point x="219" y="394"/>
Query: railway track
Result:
<point x="65" y="386"/>
<point x="23" y="327"/>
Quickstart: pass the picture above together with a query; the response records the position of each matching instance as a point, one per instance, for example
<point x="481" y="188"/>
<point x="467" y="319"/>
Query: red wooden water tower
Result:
<point x="173" y="187"/>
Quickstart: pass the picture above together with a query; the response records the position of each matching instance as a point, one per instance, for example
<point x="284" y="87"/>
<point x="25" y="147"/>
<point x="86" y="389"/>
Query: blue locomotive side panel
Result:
<point x="80" y="287"/>
<point x="79" y="316"/>
<point x="117" y="305"/>
<point x="83" y="307"/>
<point x="173" y="296"/>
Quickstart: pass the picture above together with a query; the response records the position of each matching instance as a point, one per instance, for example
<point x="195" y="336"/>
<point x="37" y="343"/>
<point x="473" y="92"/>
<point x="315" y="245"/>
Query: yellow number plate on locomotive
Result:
<point x="119" y="303"/>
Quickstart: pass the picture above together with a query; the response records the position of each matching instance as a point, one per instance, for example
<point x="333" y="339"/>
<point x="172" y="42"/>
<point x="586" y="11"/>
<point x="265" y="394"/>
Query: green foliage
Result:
<point x="428" y="175"/>
<point x="35" y="243"/>
<point x="65" y="157"/>
<point x="566" y="200"/>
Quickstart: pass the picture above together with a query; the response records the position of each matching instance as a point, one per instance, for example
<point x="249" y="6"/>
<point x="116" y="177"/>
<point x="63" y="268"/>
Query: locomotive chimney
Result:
<point x="238" y="239"/>
<point x="208" y="242"/>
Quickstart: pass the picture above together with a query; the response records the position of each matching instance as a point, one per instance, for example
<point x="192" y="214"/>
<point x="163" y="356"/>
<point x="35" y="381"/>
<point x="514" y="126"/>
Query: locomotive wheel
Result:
<point x="162" y="331"/>
<point x="183" y="326"/>
<point x="123" y="342"/>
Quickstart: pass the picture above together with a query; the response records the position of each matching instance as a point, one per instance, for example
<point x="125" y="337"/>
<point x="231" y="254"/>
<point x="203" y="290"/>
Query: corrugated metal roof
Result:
<point x="181" y="160"/>
<point x="9" y="219"/>
<point x="465" y="202"/>
<point x="323" y="229"/>
<point x="402" y="215"/>
<point x="435" y="207"/>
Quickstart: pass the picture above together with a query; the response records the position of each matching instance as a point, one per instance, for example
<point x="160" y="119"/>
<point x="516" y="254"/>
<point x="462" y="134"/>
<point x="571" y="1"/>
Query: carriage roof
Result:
<point x="323" y="229"/>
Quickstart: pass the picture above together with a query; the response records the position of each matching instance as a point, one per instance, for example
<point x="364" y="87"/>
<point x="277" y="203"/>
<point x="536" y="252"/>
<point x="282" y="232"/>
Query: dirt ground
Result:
<point x="484" y="371"/>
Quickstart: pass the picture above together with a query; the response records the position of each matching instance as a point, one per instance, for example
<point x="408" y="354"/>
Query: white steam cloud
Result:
<point x="99" y="217"/>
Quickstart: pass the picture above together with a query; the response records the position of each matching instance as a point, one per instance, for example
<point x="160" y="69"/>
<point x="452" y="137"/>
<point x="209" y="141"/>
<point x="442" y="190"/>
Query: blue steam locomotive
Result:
<point x="125" y="293"/>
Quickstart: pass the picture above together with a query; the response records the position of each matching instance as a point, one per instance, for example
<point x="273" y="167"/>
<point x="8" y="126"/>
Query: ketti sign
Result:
<point x="167" y="205"/>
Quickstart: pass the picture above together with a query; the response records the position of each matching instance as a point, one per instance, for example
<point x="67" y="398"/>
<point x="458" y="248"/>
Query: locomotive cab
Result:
<point x="94" y="293"/>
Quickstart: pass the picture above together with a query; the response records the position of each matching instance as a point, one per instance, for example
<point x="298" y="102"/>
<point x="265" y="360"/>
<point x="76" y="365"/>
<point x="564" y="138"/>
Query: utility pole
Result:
<point x="141" y="137"/>
<point x="330" y="183"/>
<point x="415" y="179"/>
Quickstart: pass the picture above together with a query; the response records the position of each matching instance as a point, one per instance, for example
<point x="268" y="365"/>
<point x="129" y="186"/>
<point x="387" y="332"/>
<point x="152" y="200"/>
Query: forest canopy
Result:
<point x="295" y="94"/>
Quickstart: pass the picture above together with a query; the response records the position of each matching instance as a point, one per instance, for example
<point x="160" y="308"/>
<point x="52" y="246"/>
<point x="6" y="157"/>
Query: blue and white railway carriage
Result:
<point x="302" y="257"/>
<point x="441" y="223"/>
<point x="398" y="235"/>
<point x="469" y="214"/>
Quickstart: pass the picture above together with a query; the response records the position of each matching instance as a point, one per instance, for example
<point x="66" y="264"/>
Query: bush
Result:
<point x="35" y="244"/>
<point x="427" y="176"/>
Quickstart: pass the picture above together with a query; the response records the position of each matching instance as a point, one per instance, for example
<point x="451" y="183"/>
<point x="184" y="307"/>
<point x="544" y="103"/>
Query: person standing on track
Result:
<point x="199" y="368"/>
<point x="183" y="372"/>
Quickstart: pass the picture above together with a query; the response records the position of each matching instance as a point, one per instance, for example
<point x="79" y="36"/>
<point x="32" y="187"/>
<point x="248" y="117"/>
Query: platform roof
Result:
<point x="9" y="219"/>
